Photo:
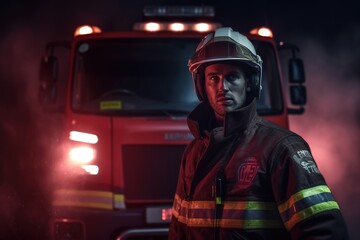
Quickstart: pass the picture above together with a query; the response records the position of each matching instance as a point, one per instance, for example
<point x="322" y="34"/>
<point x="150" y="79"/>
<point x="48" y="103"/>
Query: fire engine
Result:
<point x="123" y="119"/>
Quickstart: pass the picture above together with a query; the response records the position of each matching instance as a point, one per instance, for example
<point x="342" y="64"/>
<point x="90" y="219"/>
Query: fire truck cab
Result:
<point x="123" y="120"/>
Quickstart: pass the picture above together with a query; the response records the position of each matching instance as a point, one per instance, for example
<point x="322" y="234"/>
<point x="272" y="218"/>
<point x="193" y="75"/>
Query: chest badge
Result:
<point x="247" y="172"/>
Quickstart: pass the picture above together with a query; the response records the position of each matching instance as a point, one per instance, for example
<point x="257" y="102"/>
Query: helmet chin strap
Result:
<point x="248" y="85"/>
<point x="249" y="92"/>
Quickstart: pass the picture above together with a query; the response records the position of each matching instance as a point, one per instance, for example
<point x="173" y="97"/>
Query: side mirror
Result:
<point x="296" y="71"/>
<point x="48" y="77"/>
<point x="297" y="90"/>
<point x="296" y="79"/>
<point x="298" y="95"/>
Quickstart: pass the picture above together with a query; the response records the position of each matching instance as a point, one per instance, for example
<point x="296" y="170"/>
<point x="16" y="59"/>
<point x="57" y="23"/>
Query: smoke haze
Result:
<point x="331" y="124"/>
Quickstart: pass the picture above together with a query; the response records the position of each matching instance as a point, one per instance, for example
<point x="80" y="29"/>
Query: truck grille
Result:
<point x="151" y="171"/>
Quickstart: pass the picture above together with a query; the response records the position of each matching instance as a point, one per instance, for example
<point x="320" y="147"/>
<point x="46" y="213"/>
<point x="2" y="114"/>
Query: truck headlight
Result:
<point x="82" y="155"/>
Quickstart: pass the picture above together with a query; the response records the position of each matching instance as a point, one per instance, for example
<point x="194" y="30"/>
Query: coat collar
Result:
<point x="202" y="119"/>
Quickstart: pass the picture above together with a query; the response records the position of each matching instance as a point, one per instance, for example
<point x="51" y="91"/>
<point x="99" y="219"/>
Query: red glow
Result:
<point x="86" y="29"/>
<point x="166" y="214"/>
<point x="262" y="31"/>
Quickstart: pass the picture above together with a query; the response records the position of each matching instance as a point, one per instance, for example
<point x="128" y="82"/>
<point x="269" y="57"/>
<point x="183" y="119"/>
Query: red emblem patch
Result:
<point x="247" y="172"/>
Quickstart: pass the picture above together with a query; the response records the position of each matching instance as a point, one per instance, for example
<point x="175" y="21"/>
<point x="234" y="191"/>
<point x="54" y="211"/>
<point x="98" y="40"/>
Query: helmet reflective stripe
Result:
<point x="225" y="45"/>
<point x="236" y="214"/>
<point x="236" y="36"/>
<point x="227" y="34"/>
<point x="306" y="203"/>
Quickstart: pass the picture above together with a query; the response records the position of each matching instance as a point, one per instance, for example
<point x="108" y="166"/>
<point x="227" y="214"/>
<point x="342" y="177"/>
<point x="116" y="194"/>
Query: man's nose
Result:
<point x="224" y="85"/>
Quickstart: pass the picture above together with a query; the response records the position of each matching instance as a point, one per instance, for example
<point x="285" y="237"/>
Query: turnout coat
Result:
<point x="250" y="179"/>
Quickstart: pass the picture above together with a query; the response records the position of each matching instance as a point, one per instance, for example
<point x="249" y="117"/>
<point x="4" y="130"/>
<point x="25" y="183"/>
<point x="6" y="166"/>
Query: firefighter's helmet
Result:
<point x="224" y="44"/>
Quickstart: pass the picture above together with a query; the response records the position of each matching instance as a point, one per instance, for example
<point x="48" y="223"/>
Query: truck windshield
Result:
<point x="148" y="76"/>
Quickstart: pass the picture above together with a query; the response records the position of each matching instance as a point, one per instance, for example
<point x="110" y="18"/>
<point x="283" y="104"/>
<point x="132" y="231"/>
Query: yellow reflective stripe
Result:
<point x="119" y="201"/>
<point x="301" y="195"/>
<point x="236" y="205"/>
<point x="198" y="222"/>
<point x="306" y="203"/>
<point x="81" y="204"/>
<point x="119" y="197"/>
<point x="87" y="198"/>
<point x="199" y="204"/>
<point x="320" y="207"/>
<point x="250" y="224"/>
<point x="82" y="192"/>
<point x="184" y="211"/>
<point x="183" y="204"/>
<point x="232" y="223"/>
<point x="249" y="205"/>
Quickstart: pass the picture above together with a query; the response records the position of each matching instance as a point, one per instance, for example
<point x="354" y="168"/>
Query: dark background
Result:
<point x="328" y="34"/>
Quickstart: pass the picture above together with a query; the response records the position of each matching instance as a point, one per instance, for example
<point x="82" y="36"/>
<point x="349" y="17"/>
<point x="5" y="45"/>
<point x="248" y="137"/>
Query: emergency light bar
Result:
<point x="176" y="26"/>
<point x="177" y="19"/>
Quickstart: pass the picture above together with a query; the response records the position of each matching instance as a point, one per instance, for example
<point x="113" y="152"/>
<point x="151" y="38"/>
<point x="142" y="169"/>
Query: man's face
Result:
<point x="225" y="87"/>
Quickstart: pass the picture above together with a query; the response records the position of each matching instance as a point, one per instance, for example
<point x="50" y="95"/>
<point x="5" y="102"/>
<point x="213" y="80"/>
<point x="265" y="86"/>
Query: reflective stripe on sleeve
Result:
<point x="306" y="203"/>
<point x="236" y="214"/>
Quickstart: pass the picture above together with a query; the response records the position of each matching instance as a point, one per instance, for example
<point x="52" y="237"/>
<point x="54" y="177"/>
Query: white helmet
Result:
<point x="225" y="45"/>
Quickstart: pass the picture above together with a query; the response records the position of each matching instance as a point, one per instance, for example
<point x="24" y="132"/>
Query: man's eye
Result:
<point x="214" y="78"/>
<point x="232" y="77"/>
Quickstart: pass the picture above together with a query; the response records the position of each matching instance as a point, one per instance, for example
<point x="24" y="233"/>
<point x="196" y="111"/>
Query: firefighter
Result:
<point x="243" y="177"/>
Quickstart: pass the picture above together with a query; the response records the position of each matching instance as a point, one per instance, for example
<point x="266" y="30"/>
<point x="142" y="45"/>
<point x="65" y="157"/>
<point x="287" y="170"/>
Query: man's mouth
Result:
<point x="224" y="100"/>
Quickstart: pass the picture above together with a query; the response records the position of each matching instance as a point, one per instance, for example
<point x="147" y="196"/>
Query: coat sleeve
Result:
<point x="306" y="205"/>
